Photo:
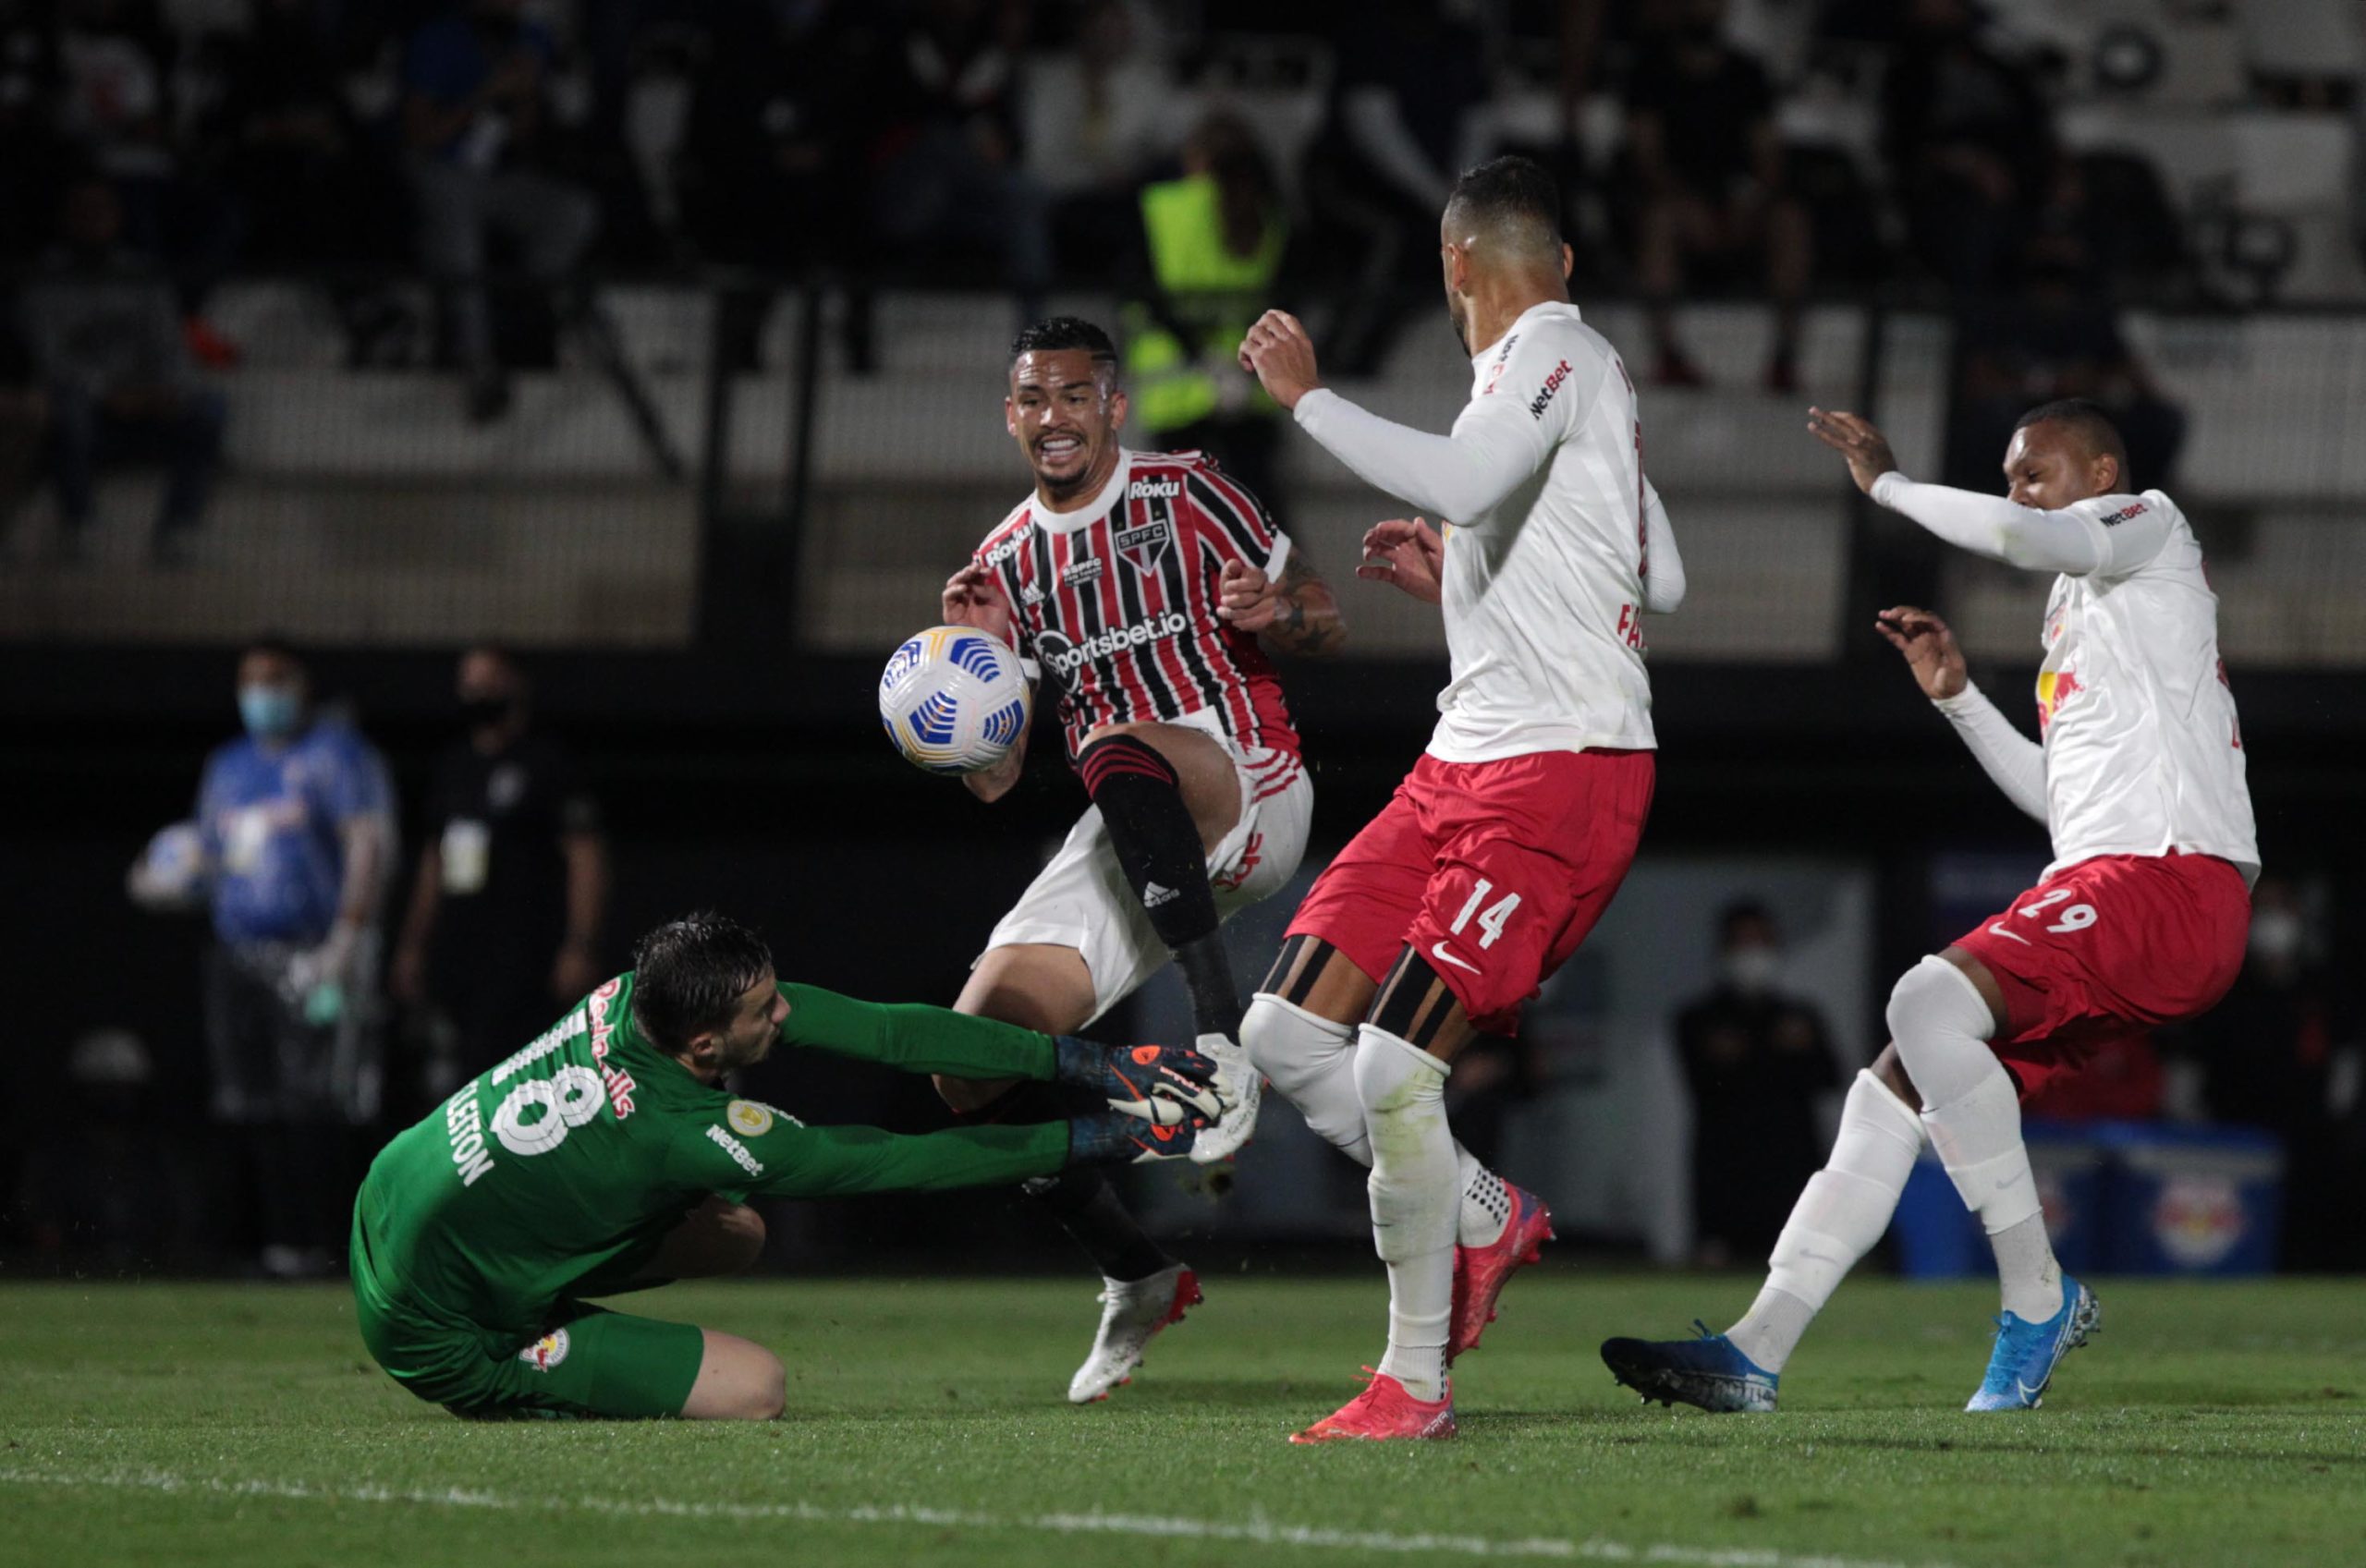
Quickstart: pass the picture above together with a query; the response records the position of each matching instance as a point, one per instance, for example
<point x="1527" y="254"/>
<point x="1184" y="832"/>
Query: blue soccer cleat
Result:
<point x="2026" y="1354"/>
<point x="1707" y="1371"/>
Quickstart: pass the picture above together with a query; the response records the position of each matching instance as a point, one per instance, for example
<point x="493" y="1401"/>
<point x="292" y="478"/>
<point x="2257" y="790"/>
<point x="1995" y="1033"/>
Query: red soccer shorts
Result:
<point x="2108" y="948"/>
<point x="1494" y="871"/>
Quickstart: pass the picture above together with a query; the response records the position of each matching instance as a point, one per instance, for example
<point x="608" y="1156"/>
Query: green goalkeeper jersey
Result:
<point x="556" y="1174"/>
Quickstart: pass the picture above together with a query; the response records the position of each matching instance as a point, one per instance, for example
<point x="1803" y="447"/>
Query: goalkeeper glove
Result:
<point x="1166" y="1085"/>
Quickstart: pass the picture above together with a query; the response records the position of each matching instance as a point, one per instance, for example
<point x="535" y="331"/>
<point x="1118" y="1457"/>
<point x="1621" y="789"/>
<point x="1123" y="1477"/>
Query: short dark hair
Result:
<point x="2088" y="419"/>
<point x="1065" y="331"/>
<point x="689" y="974"/>
<point x="1511" y="192"/>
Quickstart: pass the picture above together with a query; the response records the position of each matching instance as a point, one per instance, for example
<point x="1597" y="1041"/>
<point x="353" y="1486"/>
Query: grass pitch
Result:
<point x="242" y="1424"/>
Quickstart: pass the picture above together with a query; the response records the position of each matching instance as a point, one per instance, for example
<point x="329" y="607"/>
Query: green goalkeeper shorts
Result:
<point x="587" y="1361"/>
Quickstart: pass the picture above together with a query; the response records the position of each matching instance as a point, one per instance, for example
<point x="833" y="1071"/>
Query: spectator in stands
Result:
<point x="297" y="822"/>
<point x="1099" y="116"/>
<point x="1971" y="145"/>
<point x="1755" y="1060"/>
<point x="116" y="109"/>
<point x="947" y="166"/>
<point x="2060" y="338"/>
<point x="780" y="124"/>
<point x="477" y="131"/>
<point x="504" y="929"/>
<point x="118" y="375"/>
<point x="312" y="186"/>
<point x="1700" y="131"/>
<point x="1409" y="74"/>
<point x="1214" y="242"/>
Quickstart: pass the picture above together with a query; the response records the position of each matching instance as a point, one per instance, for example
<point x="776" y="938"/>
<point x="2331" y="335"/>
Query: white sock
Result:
<point x="1415" y="1202"/>
<point x="1942" y="1026"/>
<point x="1486" y="1202"/>
<point x="1310" y="1062"/>
<point x="1839" y="1216"/>
<point x="2025" y="1267"/>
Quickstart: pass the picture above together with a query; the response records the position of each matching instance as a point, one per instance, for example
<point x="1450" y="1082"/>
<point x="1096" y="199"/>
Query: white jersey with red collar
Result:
<point x="1117" y="599"/>
<point x="2143" y="750"/>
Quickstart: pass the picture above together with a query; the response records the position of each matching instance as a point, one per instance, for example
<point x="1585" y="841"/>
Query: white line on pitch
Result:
<point x="1256" y="1532"/>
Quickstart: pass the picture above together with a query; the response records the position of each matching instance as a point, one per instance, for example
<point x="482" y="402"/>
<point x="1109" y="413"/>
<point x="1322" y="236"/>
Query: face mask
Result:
<point x="1751" y="970"/>
<point x="270" y="712"/>
<point x="2276" y="935"/>
<point x="485" y="713"/>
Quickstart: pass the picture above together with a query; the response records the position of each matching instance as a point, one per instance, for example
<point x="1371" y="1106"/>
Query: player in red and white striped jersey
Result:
<point x="1149" y="588"/>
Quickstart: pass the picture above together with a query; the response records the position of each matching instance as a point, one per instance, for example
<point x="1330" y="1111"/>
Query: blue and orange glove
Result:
<point x="1115" y="1137"/>
<point x="1167" y="1086"/>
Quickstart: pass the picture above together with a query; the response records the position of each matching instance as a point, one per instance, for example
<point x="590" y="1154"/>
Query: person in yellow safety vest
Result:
<point x="1214" y="240"/>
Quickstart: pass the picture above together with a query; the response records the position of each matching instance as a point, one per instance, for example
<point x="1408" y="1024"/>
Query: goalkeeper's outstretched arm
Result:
<point x="915" y="1038"/>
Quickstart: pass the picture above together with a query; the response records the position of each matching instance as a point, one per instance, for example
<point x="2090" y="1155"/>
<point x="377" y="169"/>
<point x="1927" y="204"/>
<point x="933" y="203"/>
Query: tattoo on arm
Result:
<point x="1293" y="630"/>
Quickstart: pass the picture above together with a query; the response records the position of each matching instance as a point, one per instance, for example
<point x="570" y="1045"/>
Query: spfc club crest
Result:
<point x="1143" y="546"/>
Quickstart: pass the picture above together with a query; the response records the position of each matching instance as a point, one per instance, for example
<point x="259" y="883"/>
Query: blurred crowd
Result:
<point x="950" y="142"/>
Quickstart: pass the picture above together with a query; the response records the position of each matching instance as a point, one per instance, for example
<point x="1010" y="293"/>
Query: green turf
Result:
<point x="174" y="1424"/>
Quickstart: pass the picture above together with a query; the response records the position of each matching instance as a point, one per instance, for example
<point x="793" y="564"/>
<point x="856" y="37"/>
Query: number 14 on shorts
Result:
<point x="1491" y="918"/>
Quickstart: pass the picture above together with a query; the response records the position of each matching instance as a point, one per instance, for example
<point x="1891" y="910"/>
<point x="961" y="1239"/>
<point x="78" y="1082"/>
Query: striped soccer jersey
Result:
<point x="1116" y="601"/>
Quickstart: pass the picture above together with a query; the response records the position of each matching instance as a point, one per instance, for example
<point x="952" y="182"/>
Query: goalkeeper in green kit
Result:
<point x="604" y="1157"/>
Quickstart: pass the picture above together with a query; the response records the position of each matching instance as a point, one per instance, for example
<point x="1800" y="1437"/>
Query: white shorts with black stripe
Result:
<point x="1080" y="899"/>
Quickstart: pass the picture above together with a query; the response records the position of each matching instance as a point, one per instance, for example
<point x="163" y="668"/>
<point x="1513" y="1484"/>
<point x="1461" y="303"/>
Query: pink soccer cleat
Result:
<point x="1481" y="1272"/>
<point x="1384" y="1412"/>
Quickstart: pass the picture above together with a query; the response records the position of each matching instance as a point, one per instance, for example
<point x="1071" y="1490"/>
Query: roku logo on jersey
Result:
<point x="1067" y="658"/>
<point x="1551" y="384"/>
<point x="1154" y="490"/>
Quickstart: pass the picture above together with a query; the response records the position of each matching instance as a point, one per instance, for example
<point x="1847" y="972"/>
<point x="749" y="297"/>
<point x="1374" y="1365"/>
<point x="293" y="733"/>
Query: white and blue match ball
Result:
<point x="954" y="700"/>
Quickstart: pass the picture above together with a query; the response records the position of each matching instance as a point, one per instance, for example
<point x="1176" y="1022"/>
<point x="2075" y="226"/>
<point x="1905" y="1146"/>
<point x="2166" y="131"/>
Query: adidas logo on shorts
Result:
<point x="1153" y="896"/>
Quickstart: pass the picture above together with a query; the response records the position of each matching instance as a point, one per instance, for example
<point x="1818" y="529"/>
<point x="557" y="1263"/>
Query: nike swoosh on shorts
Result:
<point x="1443" y="956"/>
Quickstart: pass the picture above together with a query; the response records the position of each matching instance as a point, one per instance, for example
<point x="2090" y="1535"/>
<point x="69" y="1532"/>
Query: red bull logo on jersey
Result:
<point x="2054" y="688"/>
<point x="547" y="1352"/>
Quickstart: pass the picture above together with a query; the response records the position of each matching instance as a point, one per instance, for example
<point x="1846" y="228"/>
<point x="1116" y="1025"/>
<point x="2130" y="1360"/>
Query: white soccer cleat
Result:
<point x="1241" y="1087"/>
<point x="1131" y="1314"/>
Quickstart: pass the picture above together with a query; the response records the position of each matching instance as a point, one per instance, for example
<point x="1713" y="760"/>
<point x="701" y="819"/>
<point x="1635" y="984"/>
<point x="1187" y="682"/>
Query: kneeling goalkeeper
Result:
<point x="604" y="1156"/>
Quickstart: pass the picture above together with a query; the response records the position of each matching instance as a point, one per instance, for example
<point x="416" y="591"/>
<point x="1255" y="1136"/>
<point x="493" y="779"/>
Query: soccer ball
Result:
<point x="954" y="700"/>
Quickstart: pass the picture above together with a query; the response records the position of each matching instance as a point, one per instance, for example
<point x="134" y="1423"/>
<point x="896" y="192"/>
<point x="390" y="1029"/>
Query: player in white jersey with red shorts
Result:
<point x="1148" y="588"/>
<point x="1506" y="842"/>
<point x="2140" y="921"/>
